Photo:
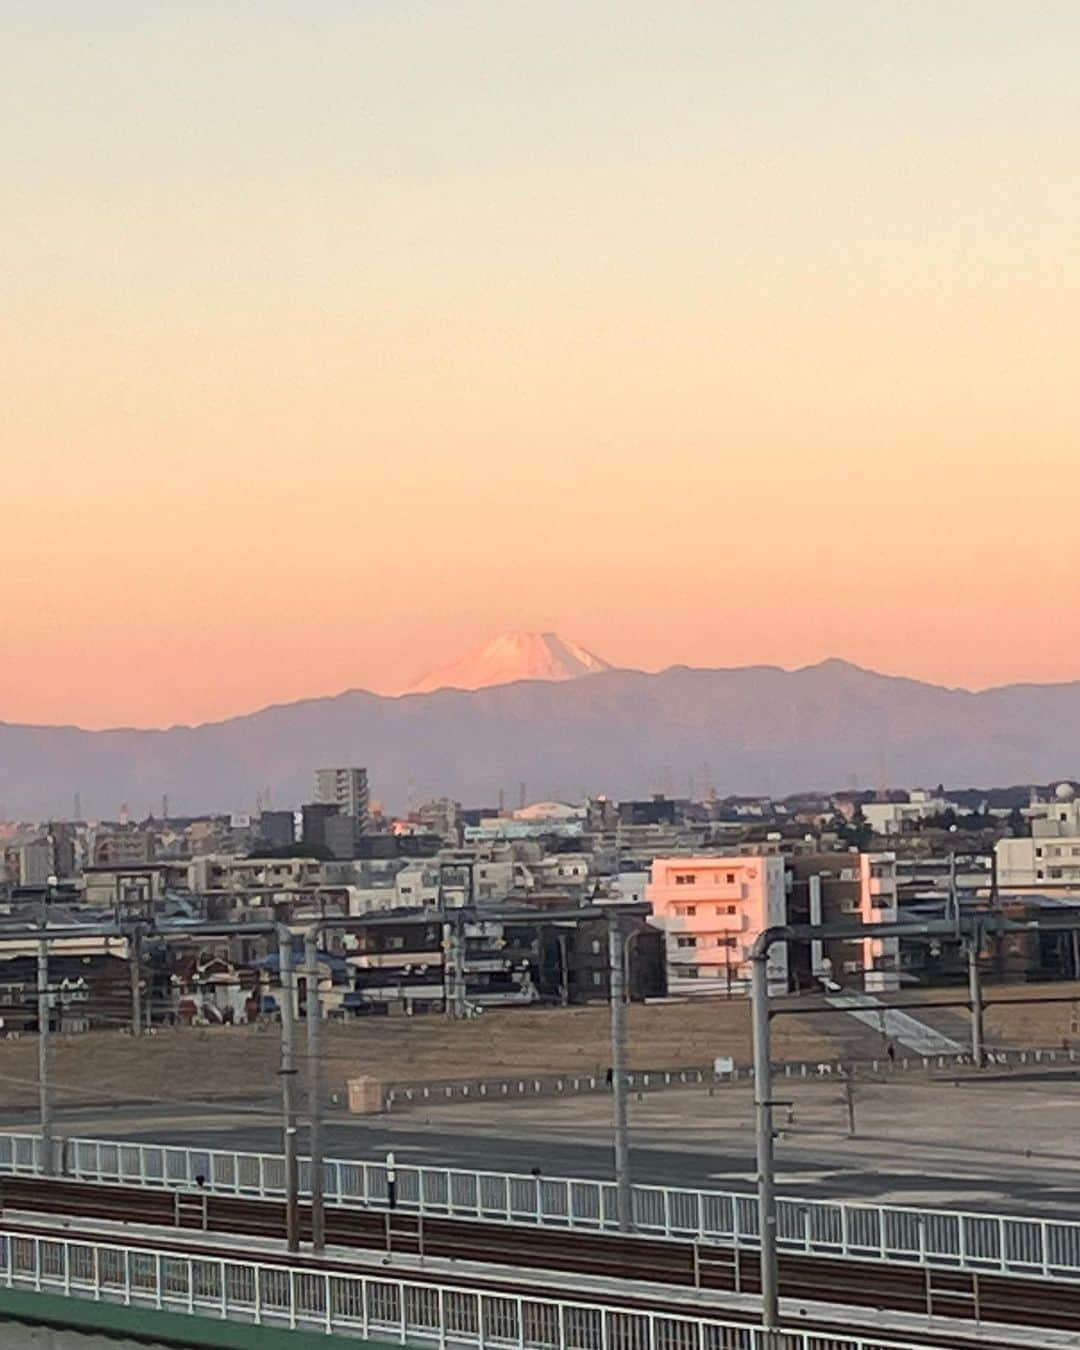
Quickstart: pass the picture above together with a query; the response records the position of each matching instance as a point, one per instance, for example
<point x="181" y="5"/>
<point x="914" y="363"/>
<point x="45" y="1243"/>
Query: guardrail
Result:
<point x="947" y="1239"/>
<point x="416" y="1312"/>
<point x="652" y="1080"/>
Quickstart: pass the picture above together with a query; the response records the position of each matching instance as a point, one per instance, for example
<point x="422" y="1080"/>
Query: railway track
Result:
<point x="961" y="1295"/>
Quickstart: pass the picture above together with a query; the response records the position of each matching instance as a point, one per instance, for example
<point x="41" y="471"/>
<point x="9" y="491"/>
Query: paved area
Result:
<point x="996" y="1144"/>
<point x="19" y="1336"/>
<point x="896" y="1028"/>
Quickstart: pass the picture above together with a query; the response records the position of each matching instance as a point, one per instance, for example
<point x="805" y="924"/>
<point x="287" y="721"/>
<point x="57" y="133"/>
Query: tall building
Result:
<point x="347" y="789"/>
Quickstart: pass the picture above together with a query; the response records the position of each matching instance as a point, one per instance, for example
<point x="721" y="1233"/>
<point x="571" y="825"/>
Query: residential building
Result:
<point x="1038" y="860"/>
<point x="844" y="888"/>
<point x="124" y="848"/>
<point x="891" y="817"/>
<point x="28" y="860"/>
<point x="342" y="835"/>
<point x="276" y="829"/>
<point x="313" y="816"/>
<point x="347" y="789"/>
<point x="711" y="910"/>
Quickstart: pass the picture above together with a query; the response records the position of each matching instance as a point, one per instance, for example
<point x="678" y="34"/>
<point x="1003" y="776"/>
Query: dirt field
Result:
<point x="203" y="1063"/>
<point x="199" y="1064"/>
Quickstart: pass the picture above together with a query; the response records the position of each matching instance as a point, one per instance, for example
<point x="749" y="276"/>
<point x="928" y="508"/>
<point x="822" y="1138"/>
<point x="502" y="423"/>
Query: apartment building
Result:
<point x="711" y="909"/>
<point x="345" y="788"/>
<point x="844" y="888"/>
<point x="1052" y="852"/>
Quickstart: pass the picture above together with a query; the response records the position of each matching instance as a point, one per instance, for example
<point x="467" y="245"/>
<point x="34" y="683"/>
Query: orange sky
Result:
<point x="336" y="344"/>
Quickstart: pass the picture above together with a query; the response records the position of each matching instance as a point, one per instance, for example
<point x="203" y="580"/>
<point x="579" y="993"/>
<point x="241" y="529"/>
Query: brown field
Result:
<point x="201" y="1064"/>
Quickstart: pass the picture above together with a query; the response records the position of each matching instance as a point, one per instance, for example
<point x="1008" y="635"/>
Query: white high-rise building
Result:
<point x="347" y="789"/>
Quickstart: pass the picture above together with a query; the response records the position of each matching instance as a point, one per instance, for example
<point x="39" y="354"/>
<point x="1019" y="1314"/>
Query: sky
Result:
<point x="341" y="336"/>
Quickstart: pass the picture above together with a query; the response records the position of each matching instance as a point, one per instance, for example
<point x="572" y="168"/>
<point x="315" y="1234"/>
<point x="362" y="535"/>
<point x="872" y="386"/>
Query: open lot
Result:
<point x="989" y="1143"/>
<point x="186" y="1064"/>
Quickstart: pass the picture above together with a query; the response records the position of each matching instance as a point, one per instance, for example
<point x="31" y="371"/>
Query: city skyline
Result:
<point x="719" y="334"/>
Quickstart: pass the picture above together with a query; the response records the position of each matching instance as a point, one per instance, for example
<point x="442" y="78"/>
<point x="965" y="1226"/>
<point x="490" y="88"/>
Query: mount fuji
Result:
<point x="510" y="657"/>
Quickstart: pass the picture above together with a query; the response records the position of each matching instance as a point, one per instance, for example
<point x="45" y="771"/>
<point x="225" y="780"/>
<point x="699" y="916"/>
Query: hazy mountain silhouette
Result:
<point x="758" y="728"/>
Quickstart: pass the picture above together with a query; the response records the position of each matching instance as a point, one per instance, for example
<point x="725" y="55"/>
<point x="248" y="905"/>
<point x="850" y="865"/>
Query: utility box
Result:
<point x="366" y="1096"/>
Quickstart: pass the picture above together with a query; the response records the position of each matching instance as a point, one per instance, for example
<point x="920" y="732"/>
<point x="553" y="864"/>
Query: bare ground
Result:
<point x="200" y="1064"/>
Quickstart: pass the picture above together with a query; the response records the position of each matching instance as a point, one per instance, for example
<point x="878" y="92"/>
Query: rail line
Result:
<point x="1027" y="1302"/>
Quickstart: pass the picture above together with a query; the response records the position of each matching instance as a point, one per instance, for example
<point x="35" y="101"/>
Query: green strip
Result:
<point x="166" y="1328"/>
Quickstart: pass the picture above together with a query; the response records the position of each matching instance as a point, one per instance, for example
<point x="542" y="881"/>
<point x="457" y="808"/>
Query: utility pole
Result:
<point x="314" y="1084"/>
<point x="766" y="1162"/>
<point x="44" y="1097"/>
<point x="288" y="1090"/>
<point x="135" y="971"/>
<point x="623" y="1191"/>
<point x="759" y="989"/>
<point x="454" y="989"/>
<point x="975" y="996"/>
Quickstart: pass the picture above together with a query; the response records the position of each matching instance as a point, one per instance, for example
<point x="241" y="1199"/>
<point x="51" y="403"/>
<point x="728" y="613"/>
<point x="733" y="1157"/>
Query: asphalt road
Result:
<point x="952" y="1177"/>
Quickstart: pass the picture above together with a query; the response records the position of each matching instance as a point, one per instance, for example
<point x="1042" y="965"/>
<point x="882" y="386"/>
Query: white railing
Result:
<point x="416" y="1312"/>
<point x="949" y="1239"/>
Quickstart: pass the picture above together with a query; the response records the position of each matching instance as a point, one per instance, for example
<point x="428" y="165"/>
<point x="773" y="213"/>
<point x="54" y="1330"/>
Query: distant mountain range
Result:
<point x="758" y="729"/>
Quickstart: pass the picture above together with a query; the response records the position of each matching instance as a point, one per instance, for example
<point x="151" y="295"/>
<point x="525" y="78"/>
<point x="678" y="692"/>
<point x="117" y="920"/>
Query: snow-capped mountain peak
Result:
<point x="514" y="656"/>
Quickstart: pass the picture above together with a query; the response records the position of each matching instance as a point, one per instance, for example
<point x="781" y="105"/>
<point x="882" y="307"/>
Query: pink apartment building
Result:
<point x="711" y="910"/>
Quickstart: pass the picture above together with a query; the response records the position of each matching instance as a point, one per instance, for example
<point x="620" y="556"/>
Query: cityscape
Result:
<point x="539" y="681"/>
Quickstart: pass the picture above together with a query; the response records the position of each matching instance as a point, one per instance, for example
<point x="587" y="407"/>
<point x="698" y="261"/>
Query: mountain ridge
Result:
<point x="626" y="732"/>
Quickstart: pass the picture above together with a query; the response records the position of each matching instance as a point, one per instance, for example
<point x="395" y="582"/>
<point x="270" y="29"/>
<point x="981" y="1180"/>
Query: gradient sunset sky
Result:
<point x="339" y="336"/>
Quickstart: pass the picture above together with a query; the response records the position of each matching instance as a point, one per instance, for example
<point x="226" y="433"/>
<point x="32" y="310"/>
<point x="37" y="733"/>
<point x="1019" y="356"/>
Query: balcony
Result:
<point x="706" y="920"/>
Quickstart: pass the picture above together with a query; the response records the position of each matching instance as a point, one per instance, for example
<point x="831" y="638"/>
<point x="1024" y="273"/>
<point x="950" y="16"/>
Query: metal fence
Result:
<point x="416" y="1312"/>
<point x="649" y="1080"/>
<point x="948" y="1239"/>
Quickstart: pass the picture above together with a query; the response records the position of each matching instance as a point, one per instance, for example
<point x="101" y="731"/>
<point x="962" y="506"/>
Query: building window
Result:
<point x="686" y="942"/>
<point x="1038" y="853"/>
<point x="596" y="946"/>
<point x="730" y="878"/>
<point x="685" y="879"/>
